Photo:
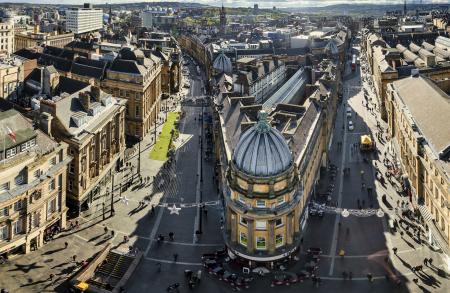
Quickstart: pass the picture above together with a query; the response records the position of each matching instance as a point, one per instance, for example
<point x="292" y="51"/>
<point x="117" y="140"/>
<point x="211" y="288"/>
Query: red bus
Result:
<point x="353" y="62"/>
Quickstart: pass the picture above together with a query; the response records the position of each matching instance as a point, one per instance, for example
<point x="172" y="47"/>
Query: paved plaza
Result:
<point x="189" y="180"/>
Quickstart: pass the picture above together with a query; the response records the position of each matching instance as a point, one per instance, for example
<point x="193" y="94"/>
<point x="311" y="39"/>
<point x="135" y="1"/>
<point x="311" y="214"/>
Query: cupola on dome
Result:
<point x="262" y="150"/>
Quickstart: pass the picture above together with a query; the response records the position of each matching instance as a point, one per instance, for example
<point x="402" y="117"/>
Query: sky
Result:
<point x="239" y="3"/>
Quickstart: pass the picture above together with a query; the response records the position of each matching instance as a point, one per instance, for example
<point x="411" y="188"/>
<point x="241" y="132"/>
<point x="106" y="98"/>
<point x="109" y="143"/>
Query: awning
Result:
<point x="428" y="219"/>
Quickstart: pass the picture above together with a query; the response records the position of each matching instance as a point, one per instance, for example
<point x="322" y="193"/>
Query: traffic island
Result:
<point x="164" y="145"/>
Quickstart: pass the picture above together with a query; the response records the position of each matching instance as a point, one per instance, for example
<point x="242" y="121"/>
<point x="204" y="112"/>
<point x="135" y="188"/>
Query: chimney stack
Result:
<point x="95" y="91"/>
<point x="85" y="100"/>
<point x="46" y="123"/>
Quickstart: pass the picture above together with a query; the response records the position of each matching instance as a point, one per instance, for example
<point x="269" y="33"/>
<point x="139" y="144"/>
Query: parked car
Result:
<point x="350" y="125"/>
<point x="349" y="112"/>
<point x="314" y="251"/>
<point x="285" y="278"/>
<point x="315" y="212"/>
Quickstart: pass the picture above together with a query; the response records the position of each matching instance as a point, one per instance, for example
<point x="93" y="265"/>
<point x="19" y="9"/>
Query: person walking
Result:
<point x="425" y="261"/>
<point x="344" y="275"/>
<point x="394" y="250"/>
<point x="51" y="277"/>
<point x="66" y="245"/>
<point x="350" y="275"/>
<point x="370" y="277"/>
<point x="105" y="229"/>
<point x="430" y="261"/>
<point x="74" y="257"/>
<point x="175" y="257"/>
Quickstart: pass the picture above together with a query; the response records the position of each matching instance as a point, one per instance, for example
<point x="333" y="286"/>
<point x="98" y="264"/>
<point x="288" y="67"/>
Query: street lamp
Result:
<point x="112" y="195"/>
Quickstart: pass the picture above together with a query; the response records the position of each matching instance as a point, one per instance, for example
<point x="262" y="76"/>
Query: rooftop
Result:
<point x="429" y="107"/>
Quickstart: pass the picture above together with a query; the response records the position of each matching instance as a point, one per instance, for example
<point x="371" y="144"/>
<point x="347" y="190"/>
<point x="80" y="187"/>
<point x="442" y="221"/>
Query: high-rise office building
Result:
<point x="83" y="20"/>
<point x="6" y="34"/>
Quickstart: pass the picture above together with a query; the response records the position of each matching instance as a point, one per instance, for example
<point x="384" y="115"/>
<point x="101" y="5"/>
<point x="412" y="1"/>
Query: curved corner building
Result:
<point x="262" y="197"/>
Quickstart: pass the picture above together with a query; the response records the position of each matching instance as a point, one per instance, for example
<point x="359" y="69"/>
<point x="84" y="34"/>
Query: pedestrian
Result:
<point x="51" y="277"/>
<point x="430" y="261"/>
<point x="65" y="245"/>
<point x="370" y="277"/>
<point x="394" y="250"/>
<point x="74" y="257"/>
<point x="153" y="209"/>
<point x="112" y="233"/>
<point x="175" y="257"/>
<point x="76" y="224"/>
<point x="425" y="261"/>
<point x="350" y="275"/>
<point x="344" y="275"/>
<point x="171" y="236"/>
<point x="105" y="230"/>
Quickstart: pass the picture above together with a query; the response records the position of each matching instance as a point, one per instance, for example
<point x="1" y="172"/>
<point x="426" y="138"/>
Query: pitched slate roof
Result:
<point x="88" y="67"/>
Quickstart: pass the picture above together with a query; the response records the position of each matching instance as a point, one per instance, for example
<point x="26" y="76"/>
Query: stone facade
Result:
<point x="95" y="134"/>
<point x="143" y="95"/>
<point x="33" y="186"/>
<point x="420" y="129"/>
<point x="29" y="40"/>
<point x="11" y="78"/>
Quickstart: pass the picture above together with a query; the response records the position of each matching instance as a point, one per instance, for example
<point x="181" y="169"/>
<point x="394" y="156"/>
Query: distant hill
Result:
<point x="364" y="9"/>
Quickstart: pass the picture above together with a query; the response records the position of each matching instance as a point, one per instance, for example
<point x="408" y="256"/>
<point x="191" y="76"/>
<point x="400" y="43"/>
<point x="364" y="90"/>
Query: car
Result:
<point x="314" y="251"/>
<point x="285" y="278"/>
<point x="316" y="212"/>
<point x="349" y="112"/>
<point x="350" y="125"/>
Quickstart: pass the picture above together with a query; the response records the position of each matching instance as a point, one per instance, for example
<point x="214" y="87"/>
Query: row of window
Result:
<point x="17" y="228"/>
<point x="261" y="241"/>
<point x="20" y="204"/>
<point x="261" y="203"/>
<point x="260" y="225"/>
<point x="23" y="147"/>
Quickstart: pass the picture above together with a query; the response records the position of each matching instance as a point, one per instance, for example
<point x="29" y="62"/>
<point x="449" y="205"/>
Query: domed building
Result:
<point x="262" y="197"/>
<point x="222" y="64"/>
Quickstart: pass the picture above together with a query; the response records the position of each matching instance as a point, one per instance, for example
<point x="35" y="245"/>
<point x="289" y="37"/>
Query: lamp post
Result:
<point x="112" y="195"/>
<point x="139" y="157"/>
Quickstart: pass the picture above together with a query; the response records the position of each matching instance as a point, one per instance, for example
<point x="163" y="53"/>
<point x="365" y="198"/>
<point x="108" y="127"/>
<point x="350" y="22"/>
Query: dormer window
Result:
<point x="26" y="145"/>
<point x="10" y="153"/>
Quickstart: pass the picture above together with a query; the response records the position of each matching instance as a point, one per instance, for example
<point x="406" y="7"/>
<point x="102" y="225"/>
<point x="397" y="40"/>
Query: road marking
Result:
<point x="197" y="190"/>
<point x="383" y="254"/>
<point x="338" y="216"/>
<point x="174" y="263"/>
<point x="196" y="244"/>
